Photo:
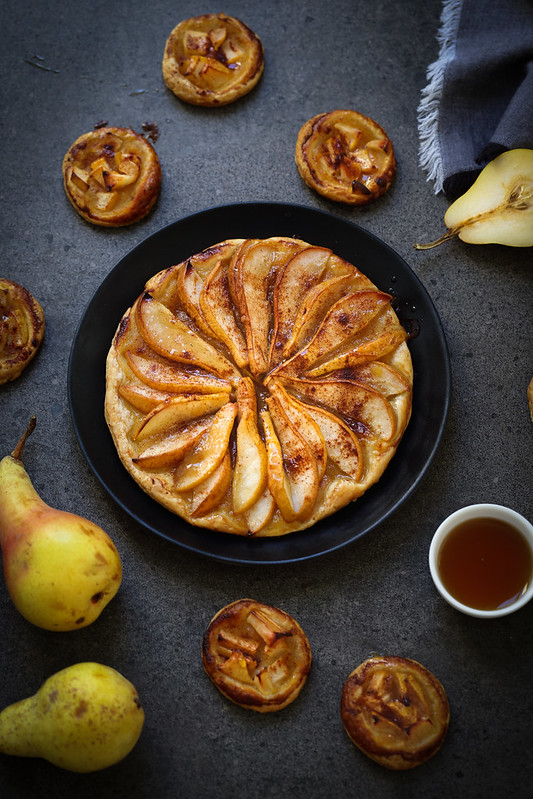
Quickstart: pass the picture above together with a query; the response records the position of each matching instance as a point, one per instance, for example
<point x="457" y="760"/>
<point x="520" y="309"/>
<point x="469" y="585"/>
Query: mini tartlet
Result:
<point x="257" y="655"/>
<point x="21" y="329"/>
<point x="345" y="156"/>
<point x="112" y="176"/>
<point x="212" y="60"/>
<point x="395" y="711"/>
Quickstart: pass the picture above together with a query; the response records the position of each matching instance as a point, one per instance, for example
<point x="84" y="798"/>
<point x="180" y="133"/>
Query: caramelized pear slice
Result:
<point x="250" y="475"/>
<point x="316" y="304"/>
<point x="497" y="208"/>
<point x="209" y="494"/>
<point x="173" y="377"/>
<point x="202" y="461"/>
<point x="172" y="448"/>
<point x="298" y="461"/>
<point x="306" y="426"/>
<point x="142" y="398"/>
<point x="217" y="307"/>
<point x="172" y="338"/>
<point x="278" y="481"/>
<point x="294" y="280"/>
<point x="382" y="378"/>
<point x="382" y="335"/>
<point x="259" y="515"/>
<point x="178" y="410"/>
<point x="342" y="444"/>
<point x="189" y="285"/>
<point x="342" y="322"/>
<point x="368" y="410"/>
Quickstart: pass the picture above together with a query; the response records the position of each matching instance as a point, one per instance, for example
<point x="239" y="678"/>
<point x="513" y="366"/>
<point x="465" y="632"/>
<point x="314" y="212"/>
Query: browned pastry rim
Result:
<point x="395" y="711"/>
<point x="257" y="655"/>
<point x="21" y="329"/>
<point x="112" y="176"/>
<point x="212" y="60"/>
<point x="345" y="156"/>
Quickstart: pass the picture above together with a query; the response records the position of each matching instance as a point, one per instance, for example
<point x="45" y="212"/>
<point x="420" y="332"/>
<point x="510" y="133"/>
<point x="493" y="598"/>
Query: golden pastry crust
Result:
<point x="395" y="711"/>
<point x="345" y="156"/>
<point x="258" y="386"/>
<point x="212" y="59"/>
<point x="112" y="176"/>
<point x="21" y="329"/>
<point x="257" y="655"/>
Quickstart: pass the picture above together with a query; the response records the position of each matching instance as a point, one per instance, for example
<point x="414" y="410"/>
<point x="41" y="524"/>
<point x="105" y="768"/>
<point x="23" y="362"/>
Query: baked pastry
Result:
<point x="258" y="386"/>
<point x="345" y="156"/>
<point x="21" y="329"/>
<point x="257" y="655"/>
<point x="212" y="60"/>
<point x="395" y="711"/>
<point x="112" y="176"/>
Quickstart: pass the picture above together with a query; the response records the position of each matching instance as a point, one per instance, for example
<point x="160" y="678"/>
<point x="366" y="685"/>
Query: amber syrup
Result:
<point x="485" y="563"/>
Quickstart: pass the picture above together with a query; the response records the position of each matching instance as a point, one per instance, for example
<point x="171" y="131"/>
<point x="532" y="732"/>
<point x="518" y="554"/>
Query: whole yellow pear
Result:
<point x="84" y="718"/>
<point x="61" y="570"/>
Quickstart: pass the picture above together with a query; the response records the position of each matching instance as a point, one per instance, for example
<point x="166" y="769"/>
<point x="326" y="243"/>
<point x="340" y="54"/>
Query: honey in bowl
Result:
<point x="485" y="563"/>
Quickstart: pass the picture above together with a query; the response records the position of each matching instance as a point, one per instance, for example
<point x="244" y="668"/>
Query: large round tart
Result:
<point x="258" y="386"/>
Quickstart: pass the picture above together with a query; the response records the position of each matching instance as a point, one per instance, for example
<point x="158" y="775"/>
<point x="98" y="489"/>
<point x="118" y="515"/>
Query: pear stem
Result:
<point x="450" y="234"/>
<point x="17" y="452"/>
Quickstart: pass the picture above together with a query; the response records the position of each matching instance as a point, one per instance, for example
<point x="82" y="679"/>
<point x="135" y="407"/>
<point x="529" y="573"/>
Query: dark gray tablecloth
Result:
<point x="478" y="101"/>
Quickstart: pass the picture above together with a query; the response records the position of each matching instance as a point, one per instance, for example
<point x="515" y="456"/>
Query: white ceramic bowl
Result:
<point x="482" y="511"/>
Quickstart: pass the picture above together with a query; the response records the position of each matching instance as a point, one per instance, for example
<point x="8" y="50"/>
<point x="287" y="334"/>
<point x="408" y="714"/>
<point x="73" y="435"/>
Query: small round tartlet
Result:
<point x="345" y="156"/>
<point x="112" y="176"/>
<point x="21" y="329"/>
<point x="395" y="711"/>
<point x="212" y="60"/>
<point x="257" y="655"/>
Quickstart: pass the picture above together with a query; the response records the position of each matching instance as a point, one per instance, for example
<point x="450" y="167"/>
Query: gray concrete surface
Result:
<point x="375" y="595"/>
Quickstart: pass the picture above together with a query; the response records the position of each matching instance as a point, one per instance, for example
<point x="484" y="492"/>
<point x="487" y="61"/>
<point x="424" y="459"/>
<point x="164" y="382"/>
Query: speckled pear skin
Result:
<point x="84" y="718"/>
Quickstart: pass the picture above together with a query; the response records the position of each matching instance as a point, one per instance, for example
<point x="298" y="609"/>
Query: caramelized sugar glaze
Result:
<point x="258" y="386"/>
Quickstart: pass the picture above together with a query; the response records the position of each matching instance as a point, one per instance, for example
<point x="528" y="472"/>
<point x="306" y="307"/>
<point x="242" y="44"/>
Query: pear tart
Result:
<point x="21" y="329"/>
<point x="395" y="711"/>
<point x="345" y="156"/>
<point x="257" y="655"/>
<point x="112" y="176"/>
<point x="212" y="60"/>
<point x="258" y="386"/>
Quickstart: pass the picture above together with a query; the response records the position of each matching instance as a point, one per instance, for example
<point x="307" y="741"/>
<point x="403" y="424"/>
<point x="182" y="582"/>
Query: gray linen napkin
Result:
<point x="478" y="101"/>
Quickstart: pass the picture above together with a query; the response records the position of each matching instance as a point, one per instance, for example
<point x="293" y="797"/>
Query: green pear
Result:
<point x="497" y="208"/>
<point x="83" y="718"/>
<point x="60" y="569"/>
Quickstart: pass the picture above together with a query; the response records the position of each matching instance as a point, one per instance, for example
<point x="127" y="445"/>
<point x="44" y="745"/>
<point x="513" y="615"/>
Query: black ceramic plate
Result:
<point x="260" y="220"/>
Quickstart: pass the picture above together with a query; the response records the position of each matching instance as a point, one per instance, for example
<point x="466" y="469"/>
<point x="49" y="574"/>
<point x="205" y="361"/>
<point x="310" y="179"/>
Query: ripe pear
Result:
<point x="83" y="718"/>
<point x="61" y="570"/>
<point x="498" y="207"/>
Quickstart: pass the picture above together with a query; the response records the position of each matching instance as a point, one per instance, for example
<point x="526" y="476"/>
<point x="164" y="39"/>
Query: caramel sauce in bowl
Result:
<point x="481" y="560"/>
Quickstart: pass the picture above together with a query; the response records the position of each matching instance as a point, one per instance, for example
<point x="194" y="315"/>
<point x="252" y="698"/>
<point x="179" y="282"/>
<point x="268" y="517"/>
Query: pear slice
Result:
<point x="173" y="377"/>
<point x="498" y="207"/>
<point x="250" y="474"/>
<point x="298" y="461"/>
<point x="178" y="410"/>
<point x="172" y="338"/>
<point x="211" y="492"/>
<point x="202" y="461"/>
<point x="382" y="335"/>
<point x="294" y="280"/>
<point x="189" y="284"/>
<point x="259" y="515"/>
<point x="343" y="447"/>
<point x="316" y="304"/>
<point x="278" y="481"/>
<point x="142" y="398"/>
<point x="342" y="322"/>
<point x="217" y="307"/>
<point x="368" y="410"/>
<point x="306" y="426"/>
<point x="172" y="448"/>
<point x="381" y="377"/>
